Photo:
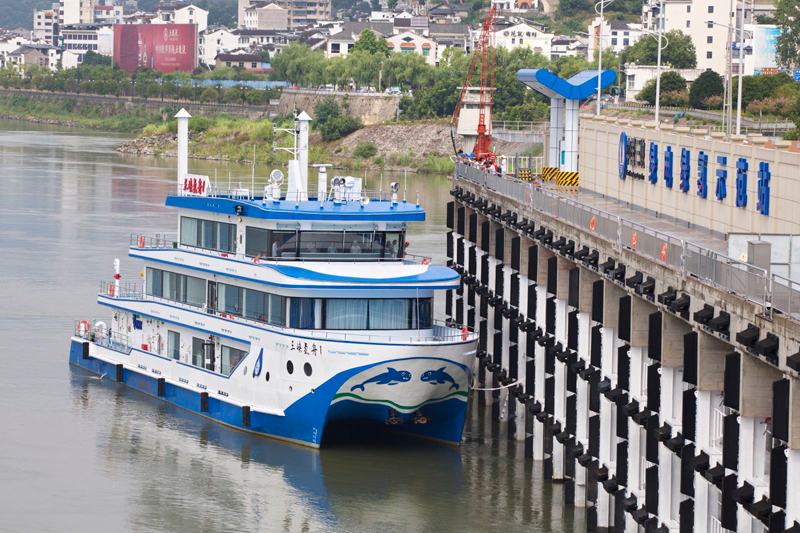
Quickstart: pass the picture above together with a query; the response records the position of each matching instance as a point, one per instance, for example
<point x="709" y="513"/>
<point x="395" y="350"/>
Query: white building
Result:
<point x="108" y="14"/>
<point x="524" y="35"/>
<point x="616" y="35"/>
<point x="705" y="21"/>
<point x="266" y="16"/>
<point x="10" y="43"/>
<point x="214" y="41"/>
<point x="341" y="42"/>
<point x="514" y="6"/>
<point x="411" y="43"/>
<point x="637" y="76"/>
<point x="81" y="38"/>
<point x="567" y="47"/>
<point x="301" y="12"/>
<point x="188" y="14"/>
<point x="70" y="11"/>
<point x="43" y="21"/>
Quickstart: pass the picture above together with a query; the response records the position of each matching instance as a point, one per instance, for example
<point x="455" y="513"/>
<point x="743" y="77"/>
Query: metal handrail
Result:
<point x="786" y="296"/>
<point x="104" y="336"/>
<point x="169" y="241"/>
<point x="441" y="330"/>
<point x="737" y="277"/>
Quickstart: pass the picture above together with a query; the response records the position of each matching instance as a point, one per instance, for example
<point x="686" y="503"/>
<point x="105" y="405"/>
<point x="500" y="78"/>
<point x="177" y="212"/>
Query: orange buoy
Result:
<point x="633" y="240"/>
<point x="464" y="333"/>
<point x="591" y="224"/>
<point x="664" y="252"/>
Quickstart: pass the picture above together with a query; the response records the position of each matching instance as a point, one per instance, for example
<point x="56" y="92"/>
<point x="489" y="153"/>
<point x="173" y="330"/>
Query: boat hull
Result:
<point x="421" y="396"/>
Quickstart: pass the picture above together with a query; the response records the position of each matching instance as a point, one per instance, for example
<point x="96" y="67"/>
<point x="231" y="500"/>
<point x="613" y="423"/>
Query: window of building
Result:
<point x="625" y="42"/>
<point x="689" y="9"/>
<point x="174" y="344"/>
<point x="208" y="234"/>
<point x="710" y="9"/>
<point x="231" y="357"/>
<point x="176" y="287"/>
<point x="626" y="33"/>
<point x="614" y="41"/>
<point x="335" y="48"/>
<point x="709" y="39"/>
<point x="708" y="55"/>
<point x="613" y="33"/>
<point x="688" y="23"/>
<point x="426" y="52"/>
<point x="710" y="25"/>
<point x="253" y="65"/>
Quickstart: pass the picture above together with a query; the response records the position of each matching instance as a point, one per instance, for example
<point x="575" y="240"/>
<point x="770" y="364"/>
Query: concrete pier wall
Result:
<point x="659" y="400"/>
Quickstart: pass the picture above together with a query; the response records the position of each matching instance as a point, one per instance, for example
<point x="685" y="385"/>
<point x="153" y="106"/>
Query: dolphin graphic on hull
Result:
<point x="390" y="377"/>
<point x="438" y="377"/>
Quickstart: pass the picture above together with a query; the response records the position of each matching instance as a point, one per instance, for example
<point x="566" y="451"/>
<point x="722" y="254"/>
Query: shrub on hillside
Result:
<point x="209" y="95"/>
<point x="338" y="127"/>
<point x="365" y="150"/>
<point x="675" y="98"/>
<point x="712" y="102"/>
<point x="670" y="81"/>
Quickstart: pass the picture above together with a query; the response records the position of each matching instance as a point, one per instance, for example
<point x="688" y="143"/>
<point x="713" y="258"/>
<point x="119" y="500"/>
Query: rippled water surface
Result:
<point x="80" y="454"/>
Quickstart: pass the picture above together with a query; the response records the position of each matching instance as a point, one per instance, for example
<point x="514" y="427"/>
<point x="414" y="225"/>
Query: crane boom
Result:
<point x="484" y="53"/>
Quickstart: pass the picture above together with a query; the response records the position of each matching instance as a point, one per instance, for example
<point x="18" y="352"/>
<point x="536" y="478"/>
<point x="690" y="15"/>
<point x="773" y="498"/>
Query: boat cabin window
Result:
<point x="203" y="353"/>
<point x="230" y="358"/>
<point x="208" y="234"/>
<point x="324" y="245"/>
<point x="360" y="313"/>
<point x="174" y="344"/>
<point x="176" y="287"/>
<point x="250" y="303"/>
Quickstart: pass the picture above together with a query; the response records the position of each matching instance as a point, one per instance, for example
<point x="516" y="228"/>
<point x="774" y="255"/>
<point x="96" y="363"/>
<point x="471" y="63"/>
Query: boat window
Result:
<point x="393" y="245"/>
<point x="174" y="344"/>
<point x="229" y="299"/>
<point x="176" y="287"/>
<point x="360" y="314"/>
<point x="346" y="313"/>
<point x="319" y="243"/>
<point x="303" y="313"/>
<point x="208" y="234"/>
<point x="257" y="242"/>
<point x="203" y="353"/>
<point x="230" y="358"/>
<point x="250" y="303"/>
<point x="284" y="244"/>
<point x="360" y="246"/>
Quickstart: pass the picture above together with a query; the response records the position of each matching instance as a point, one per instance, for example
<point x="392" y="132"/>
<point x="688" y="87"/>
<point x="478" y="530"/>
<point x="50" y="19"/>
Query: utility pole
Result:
<point x="741" y="69"/>
<point x="660" y="23"/>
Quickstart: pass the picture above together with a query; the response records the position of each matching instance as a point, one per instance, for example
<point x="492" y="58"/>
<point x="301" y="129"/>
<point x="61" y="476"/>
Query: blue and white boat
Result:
<point x="281" y="311"/>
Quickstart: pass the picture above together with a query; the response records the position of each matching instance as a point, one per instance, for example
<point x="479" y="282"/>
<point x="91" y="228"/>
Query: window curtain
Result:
<point x="254" y="305"/>
<point x="195" y="291"/>
<point x="174" y="344"/>
<point x="302" y="313"/>
<point x="230" y="358"/>
<point x="423" y="315"/>
<point x="189" y="231"/>
<point x="154" y="281"/>
<point x="346" y="313"/>
<point x="276" y="309"/>
<point x="389" y="314"/>
<point x="228" y="299"/>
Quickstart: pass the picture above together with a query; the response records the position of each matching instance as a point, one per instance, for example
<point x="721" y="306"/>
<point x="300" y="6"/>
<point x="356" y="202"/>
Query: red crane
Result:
<point x="484" y="52"/>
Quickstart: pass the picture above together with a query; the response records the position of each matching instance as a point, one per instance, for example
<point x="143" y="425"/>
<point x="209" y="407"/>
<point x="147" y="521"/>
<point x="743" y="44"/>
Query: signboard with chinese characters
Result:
<point x="164" y="47"/>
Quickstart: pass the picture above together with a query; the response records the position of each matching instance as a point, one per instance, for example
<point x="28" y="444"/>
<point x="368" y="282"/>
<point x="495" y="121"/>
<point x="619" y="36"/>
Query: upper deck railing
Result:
<point x="166" y="241"/>
<point x="738" y="277"/>
<point x="440" y="332"/>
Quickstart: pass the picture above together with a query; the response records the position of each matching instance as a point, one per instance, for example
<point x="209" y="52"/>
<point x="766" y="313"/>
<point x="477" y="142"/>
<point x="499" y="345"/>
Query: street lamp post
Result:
<point x="602" y="4"/>
<point x="658" y="64"/>
<point x="741" y="67"/>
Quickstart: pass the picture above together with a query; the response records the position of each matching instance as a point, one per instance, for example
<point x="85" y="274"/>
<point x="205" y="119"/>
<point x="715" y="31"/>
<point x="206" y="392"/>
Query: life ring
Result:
<point x="88" y="326"/>
<point x="111" y="290"/>
<point x="464" y="333"/>
<point x="141" y="241"/>
<point x="256" y="260"/>
<point x="425" y="261"/>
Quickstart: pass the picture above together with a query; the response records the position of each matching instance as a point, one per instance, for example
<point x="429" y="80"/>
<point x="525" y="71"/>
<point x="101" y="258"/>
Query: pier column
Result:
<point x="556" y="131"/>
<point x="585" y="280"/>
<point x="540" y="376"/>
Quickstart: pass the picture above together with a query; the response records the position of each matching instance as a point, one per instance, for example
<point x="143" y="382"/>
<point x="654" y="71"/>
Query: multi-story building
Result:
<point x="705" y="21"/>
<point x="266" y="16"/>
<point x="341" y="42"/>
<point x="449" y="36"/>
<point x="81" y="38"/>
<point x="108" y="14"/>
<point x="563" y="46"/>
<point x="447" y="12"/>
<point x="301" y="12"/>
<point x="524" y="36"/>
<point x="514" y="6"/>
<point x="42" y="55"/>
<point x="616" y="35"/>
<point x="411" y="43"/>
<point x="213" y="41"/>
<point x="45" y="23"/>
<point x="182" y="14"/>
<point x="9" y="43"/>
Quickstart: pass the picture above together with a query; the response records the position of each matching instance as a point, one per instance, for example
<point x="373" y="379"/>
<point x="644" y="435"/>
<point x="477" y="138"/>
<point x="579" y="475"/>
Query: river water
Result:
<point x="78" y="453"/>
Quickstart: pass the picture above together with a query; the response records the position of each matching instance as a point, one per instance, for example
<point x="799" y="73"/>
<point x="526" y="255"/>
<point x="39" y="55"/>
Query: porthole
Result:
<point x="267" y="376"/>
<point x="307" y="369"/>
<point x="289" y="367"/>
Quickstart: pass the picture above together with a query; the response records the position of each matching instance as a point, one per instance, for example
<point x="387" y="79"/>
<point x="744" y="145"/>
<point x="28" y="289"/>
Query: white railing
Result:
<point x="786" y="296"/>
<point x="743" y="279"/>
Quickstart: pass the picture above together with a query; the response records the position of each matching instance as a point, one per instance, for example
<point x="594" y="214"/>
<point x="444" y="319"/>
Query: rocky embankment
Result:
<point x="409" y="146"/>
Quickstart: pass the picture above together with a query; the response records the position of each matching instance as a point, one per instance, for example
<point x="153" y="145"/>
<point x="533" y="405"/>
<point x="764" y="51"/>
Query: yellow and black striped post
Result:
<point x="549" y="173"/>
<point x="567" y="181"/>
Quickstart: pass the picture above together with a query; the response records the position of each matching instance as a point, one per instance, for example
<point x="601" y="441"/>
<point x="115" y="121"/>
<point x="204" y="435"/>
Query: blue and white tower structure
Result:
<point x="283" y="310"/>
<point x="565" y="100"/>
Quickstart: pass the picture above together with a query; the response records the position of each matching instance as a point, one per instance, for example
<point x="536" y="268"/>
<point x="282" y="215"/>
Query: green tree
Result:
<point x="209" y="94"/>
<point x="670" y="82"/>
<point x="787" y="17"/>
<point x="707" y="85"/>
<point x="326" y="110"/>
<point x="186" y="92"/>
<point x="368" y="42"/>
<point x="232" y="96"/>
<point x="93" y="58"/>
<point x="365" y="150"/>
<point x="569" y="8"/>
<point x="679" y="53"/>
<point x="255" y="97"/>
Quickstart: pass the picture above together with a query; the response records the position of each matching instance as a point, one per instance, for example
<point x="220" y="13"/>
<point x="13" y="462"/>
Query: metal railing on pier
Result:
<point x="100" y="334"/>
<point x="738" y="277"/>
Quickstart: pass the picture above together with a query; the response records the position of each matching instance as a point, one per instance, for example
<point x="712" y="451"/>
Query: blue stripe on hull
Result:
<point x="304" y="420"/>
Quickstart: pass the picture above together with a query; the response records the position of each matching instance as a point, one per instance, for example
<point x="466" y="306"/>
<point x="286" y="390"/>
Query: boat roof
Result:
<point x="328" y="210"/>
